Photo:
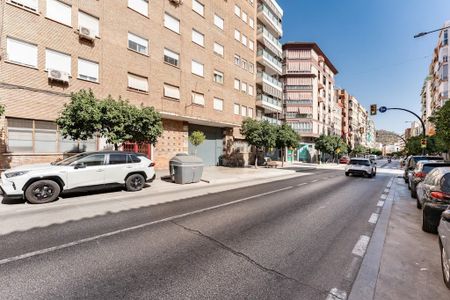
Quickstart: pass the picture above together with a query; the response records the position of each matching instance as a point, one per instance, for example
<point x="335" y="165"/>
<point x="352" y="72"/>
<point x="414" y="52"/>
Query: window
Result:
<point x="198" y="7"/>
<point x="237" y="35"/>
<point x="237" y="84"/>
<point x="171" y="57"/>
<point x="198" y="38"/>
<point x="237" y="60"/>
<point x="251" y="67"/>
<point x="236" y="109"/>
<point x="117" y="159"/>
<point x="197" y="68"/>
<point x="59" y="12"/>
<point x="218" y="21"/>
<point x="250" y="90"/>
<point x="244" y="64"/>
<point x="251" y="44"/>
<point x="243" y="111"/>
<point x="250" y="112"/>
<point x="198" y="98"/>
<point x="244" y="40"/>
<point x="244" y="16"/>
<point x="218" y="104"/>
<point x="87" y="70"/>
<point x="141" y="6"/>
<point x="445" y="39"/>
<point x="30" y="4"/>
<point x="55" y="60"/>
<point x="137" y="82"/>
<point x="88" y="21"/>
<point x="218" y="49"/>
<point x="445" y="72"/>
<point x="171" y="91"/>
<point x="237" y="11"/>
<point x="244" y="87"/>
<point x="93" y="160"/>
<point x="21" y="52"/>
<point x="218" y="77"/>
<point x="171" y="23"/>
<point x="251" y="22"/>
<point x="137" y="43"/>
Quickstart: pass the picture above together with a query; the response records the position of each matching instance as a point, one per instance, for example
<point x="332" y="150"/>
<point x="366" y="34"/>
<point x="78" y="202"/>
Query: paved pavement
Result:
<point x="297" y="238"/>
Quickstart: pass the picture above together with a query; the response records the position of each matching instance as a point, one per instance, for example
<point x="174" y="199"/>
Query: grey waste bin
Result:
<point x="186" y="169"/>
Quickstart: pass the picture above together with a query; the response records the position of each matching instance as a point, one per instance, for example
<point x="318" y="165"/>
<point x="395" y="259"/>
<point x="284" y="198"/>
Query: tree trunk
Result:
<point x="256" y="160"/>
<point x="116" y="147"/>
<point x="282" y="156"/>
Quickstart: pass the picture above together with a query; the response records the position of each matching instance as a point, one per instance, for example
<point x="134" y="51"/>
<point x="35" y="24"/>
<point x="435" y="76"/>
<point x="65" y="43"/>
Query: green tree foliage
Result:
<point x="80" y="118"/>
<point x="286" y="137"/>
<point x="2" y="109"/>
<point x="359" y="149"/>
<point x="375" y="151"/>
<point x="441" y="121"/>
<point x="331" y="144"/>
<point x="435" y="145"/>
<point x="260" y="134"/>
<point x="197" y="138"/>
<point x="116" y="120"/>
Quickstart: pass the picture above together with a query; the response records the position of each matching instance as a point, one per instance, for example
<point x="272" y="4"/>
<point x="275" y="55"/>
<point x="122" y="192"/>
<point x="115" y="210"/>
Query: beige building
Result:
<point x="193" y="60"/>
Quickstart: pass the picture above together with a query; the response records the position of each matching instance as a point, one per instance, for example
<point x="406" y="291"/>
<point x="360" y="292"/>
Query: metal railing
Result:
<point x="276" y="22"/>
<point x="267" y="34"/>
<point x="269" y="100"/>
<point x="269" y="78"/>
<point x="269" y="57"/>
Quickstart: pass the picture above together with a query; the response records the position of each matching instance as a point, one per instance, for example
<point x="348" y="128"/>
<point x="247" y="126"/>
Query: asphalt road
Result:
<point x="290" y="239"/>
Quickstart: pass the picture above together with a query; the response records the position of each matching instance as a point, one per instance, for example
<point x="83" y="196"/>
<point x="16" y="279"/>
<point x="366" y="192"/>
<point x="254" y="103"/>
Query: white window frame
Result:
<point x="251" y="45"/>
<point x="57" y="13"/>
<point x="237" y="35"/>
<point x="250" y="90"/>
<point x="139" y="6"/>
<point x="143" y="88"/>
<point x="57" y="60"/>
<point x="236" y="109"/>
<point x="175" y="27"/>
<point x="244" y="16"/>
<point x="244" y="40"/>
<point x="26" y="4"/>
<point x="237" y="84"/>
<point x="218" y="104"/>
<point x="243" y="111"/>
<point x="29" y="52"/>
<point x="198" y="98"/>
<point x="237" y="60"/>
<point x="219" y="74"/>
<point x="195" y="64"/>
<point x="93" y="65"/>
<point x="89" y="21"/>
<point x="244" y="87"/>
<point x="198" y="37"/>
<point x="250" y="112"/>
<point x="139" y="41"/>
<point x="198" y="7"/>
<point x="173" y="55"/>
<point x="219" y="21"/>
<point x="171" y="91"/>
<point x="237" y="11"/>
<point x="219" y="49"/>
<point x="251" y="23"/>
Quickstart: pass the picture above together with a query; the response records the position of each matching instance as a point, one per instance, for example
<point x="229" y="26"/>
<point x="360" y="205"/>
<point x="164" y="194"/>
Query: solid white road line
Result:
<point x="303" y="183"/>
<point x="116" y="232"/>
<point x="361" y="246"/>
<point x="315" y="180"/>
<point x="336" y="294"/>
<point x="380" y="203"/>
<point x="373" y="218"/>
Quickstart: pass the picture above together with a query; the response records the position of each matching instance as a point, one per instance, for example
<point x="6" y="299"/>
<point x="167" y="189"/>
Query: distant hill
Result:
<point x="386" y="137"/>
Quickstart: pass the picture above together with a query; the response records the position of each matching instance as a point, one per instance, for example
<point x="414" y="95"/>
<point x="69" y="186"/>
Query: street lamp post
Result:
<point x="420" y="34"/>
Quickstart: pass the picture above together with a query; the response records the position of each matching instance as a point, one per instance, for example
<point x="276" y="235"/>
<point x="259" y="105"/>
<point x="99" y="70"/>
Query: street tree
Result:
<point x="260" y="134"/>
<point x="80" y="118"/>
<point x="331" y="144"/>
<point x="435" y="145"/>
<point x="197" y="138"/>
<point x="286" y="137"/>
<point x="2" y="109"/>
<point x="359" y="149"/>
<point x="441" y="121"/>
<point x="146" y="126"/>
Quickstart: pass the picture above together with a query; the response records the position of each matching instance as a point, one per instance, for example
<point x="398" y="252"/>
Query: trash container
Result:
<point x="186" y="168"/>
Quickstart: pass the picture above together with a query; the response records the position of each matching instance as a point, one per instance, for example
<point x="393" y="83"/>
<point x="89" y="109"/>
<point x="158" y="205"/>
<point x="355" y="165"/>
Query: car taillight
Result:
<point x="152" y="164"/>
<point x="439" y="195"/>
<point x="420" y="174"/>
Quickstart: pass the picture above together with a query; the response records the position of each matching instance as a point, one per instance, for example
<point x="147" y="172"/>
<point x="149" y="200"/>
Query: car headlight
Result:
<point x="15" y="174"/>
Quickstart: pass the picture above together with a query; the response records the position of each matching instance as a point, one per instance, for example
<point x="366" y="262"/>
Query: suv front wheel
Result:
<point x="42" y="191"/>
<point x="135" y="182"/>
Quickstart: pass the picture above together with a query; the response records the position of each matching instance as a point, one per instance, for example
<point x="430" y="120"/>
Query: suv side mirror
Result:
<point x="79" y="165"/>
<point x="446" y="215"/>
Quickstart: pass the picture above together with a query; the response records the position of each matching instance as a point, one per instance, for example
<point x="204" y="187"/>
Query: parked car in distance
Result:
<point x="411" y="161"/>
<point x="433" y="196"/>
<point x="360" y="166"/>
<point x="344" y="160"/>
<point x="423" y="167"/>
<point x="42" y="183"/>
<point x="444" y="244"/>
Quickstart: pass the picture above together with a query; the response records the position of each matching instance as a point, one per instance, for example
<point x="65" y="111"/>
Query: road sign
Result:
<point x="373" y="109"/>
<point x="382" y="109"/>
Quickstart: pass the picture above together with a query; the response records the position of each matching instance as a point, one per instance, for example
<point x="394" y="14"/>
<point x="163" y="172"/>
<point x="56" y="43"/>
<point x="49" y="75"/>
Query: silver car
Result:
<point x="444" y="243"/>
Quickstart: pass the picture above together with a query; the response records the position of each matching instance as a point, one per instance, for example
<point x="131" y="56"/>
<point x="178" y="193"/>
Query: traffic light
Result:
<point x="373" y="109"/>
<point x="361" y="130"/>
<point x="423" y="143"/>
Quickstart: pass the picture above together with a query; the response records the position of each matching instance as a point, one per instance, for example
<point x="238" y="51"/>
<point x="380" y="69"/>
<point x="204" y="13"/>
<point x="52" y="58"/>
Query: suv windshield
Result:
<point x="360" y="162"/>
<point x="428" y="167"/>
<point x="69" y="160"/>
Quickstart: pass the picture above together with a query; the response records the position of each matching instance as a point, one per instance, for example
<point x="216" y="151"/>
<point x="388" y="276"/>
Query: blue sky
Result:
<point x="371" y="44"/>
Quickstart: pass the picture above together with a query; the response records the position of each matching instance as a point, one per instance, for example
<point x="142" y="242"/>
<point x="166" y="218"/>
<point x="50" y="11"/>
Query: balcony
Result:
<point x="268" y="103"/>
<point x="269" y="61"/>
<point x="298" y="87"/>
<point x="275" y="7"/>
<point x="298" y="102"/>
<point x="271" y="120"/>
<point x="263" y="77"/>
<point x="267" y="39"/>
<point x="268" y="18"/>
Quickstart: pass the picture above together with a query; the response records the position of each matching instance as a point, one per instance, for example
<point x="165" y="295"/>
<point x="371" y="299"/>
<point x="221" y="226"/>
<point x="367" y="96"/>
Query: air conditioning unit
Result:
<point x="177" y="2"/>
<point x="58" y="75"/>
<point x="86" y="33"/>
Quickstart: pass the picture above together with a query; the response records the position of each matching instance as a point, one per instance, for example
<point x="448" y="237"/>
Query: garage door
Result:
<point x="212" y="147"/>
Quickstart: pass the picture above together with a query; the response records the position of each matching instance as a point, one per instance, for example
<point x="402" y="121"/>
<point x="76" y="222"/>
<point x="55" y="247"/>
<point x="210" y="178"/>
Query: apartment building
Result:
<point x="344" y="98"/>
<point x="269" y="89"/>
<point x="425" y="97"/>
<point x="357" y="120"/>
<point x="193" y="60"/>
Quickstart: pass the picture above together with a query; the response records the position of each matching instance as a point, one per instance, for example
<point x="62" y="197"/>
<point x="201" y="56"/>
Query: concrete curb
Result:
<point x="366" y="280"/>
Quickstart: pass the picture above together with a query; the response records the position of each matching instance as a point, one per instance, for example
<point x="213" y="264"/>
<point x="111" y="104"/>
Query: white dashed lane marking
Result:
<point x="384" y="196"/>
<point x="386" y="191"/>
<point x="380" y="203"/>
<point x="315" y="180"/>
<point x="336" y="294"/>
<point x="373" y="218"/>
<point x="361" y="246"/>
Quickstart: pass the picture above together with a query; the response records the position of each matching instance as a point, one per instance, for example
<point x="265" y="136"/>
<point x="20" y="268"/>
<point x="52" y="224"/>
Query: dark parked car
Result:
<point x="423" y="167"/>
<point x="411" y="161"/>
<point x="444" y="243"/>
<point x="433" y="195"/>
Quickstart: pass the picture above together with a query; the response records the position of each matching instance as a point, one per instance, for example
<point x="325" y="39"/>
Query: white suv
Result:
<point x="361" y="166"/>
<point x="42" y="183"/>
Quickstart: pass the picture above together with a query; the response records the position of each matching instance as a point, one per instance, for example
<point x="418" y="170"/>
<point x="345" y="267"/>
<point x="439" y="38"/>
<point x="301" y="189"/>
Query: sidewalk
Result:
<point x="402" y="261"/>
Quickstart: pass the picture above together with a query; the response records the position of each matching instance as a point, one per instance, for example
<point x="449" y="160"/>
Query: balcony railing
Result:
<point x="271" y="120"/>
<point x="298" y="87"/>
<point x="272" y="18"/>
<point x="271" y="102"/>
<point x="266" y="55"/>
<point x="290" y="101"/>
<point x="268" y="35"/>
<point x="269" y="78"/>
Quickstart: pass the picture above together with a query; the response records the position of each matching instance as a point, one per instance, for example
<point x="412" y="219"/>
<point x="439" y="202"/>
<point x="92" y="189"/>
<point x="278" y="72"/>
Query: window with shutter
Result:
<point x="198" y="7"/>
<point x="236" y="109"/>
<point x="60" y="12"/>
<point x="171" y="23"/>
<point x="237" y="35"/>
<point x="171" y="91"/>
<point x="137" y="43"/>
<point x="218" y="104"/>
<point x="250" y="112"/>
<point x="198" y="98"/>
<point x="87" y="70"/>
<point x="88" y="21"/>
<point x="30" y="4"/>
<point x="218" y="21"/>
<point x="218" y="49"/>
<point x="171" y="57"/>
<point x="218" y="77"/>
<point x="59" y="61"/>
<point x="197" y="68"/>
<point x="137" y="82"/>
<point x="21" y="52"/>
<point x="140" y="6"/>
<point x="198" y="37"/>
<point x="243" y="111"/>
